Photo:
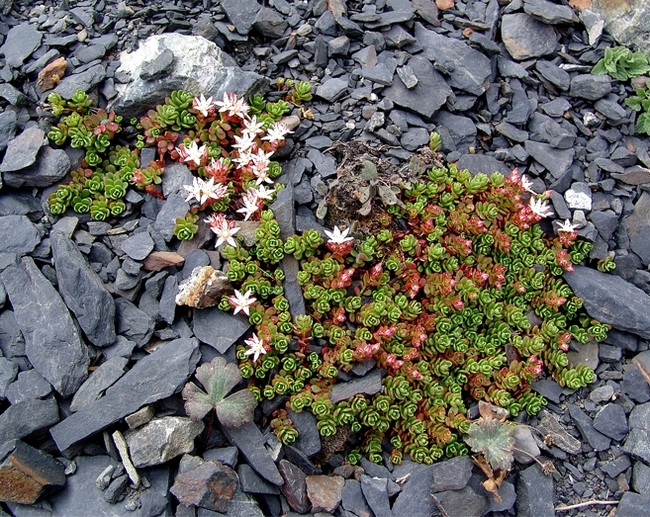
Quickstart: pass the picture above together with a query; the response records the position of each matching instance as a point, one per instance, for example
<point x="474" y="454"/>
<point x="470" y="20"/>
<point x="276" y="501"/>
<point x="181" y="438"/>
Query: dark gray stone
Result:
<point x="22" y="150"/>
<point x="462" y="503"/>
<point x="253" y="483"/>
<point x="615" y="467"/>
<point x="308" y="440"/>
<point x="549" y="389"/>
<point x="174" y="207"/>
<point x="415" y="498"/>
<point x="640" y="417"/>
<point x="133" y="323"/>
<point x="332" y="89"/>
<point x="381" y="74"/>
<point x="159" y="67"/>
<point x="554" y="74"/>
<point x="250" y="442"/>
<point x="462" y="130"/>
<point x="226" y="455"/>
<point x="83" y="291"/>
<point x="640" y="477"/>
<point x="53" y="345"/>
<point x="545" y="129"/>
<point x="612" y="300"/>
<point x="451" y="474"/>
<point x="369" y="384"/>
<point x="270" y="24"/>
<point x="637" y="445"/>
<point x="414" y="138"/>
<point x="152" y="378"/>
<point x="51" y="166"/>
<point x="7" y="128"/>
<point x="217" y="328"/>
<point x="633" y="505"/>
<point x="374" y="490"/>
<point x="611" y="421"/>
<point x="596" y="440"/>
<point x="428" y="96"/>
<point x="24" y="418"/>
<point x="115" y="490"/>
<point x="84" y="81"/>
<point x="167" y="305"/>
<point x="18" y="235"/>
<point x="638" y="229"/>
<point x="97" y="383"/>
<point x="590" y="87"/>
<point x="549" y="12"/>
<point x="353" y="500"/>
<point x="241" y="13"/>
<point x="535" y="493"/>
<point x="525" y="37"/>
<point x="21" y="41"/>
<point x="611" y="108"/>
<point x="522" y="107"/>
<point x="469" y="70"/>
<point x="556" y="161"/>
<point x="284" y="211"/>
<point x="8" y="372"/>
<point x="635" y="386"/>
<point x="511" y="132"/>
<point x="28" y="386"/>
<point x="138" y="246"/>
<point x="325" y="164"/>
<point x="294" y="487"/>
<point x="605" y="222"/>
<point x="484" y="163"/>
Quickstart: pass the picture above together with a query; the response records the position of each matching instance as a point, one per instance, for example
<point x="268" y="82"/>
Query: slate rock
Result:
<point x="545" y="129"/>
<point x="28" y="385"/>
<point x="138" y="246"/>
<point x="484" y="163"/>
<point x="308" y="440"/>
<point x="252" y="483"/>
<point x="640" y="417"/>
<point x="535" y="493"/>
<point x="415" y="498"/>
<point x="369" y="384"/>
<point x="98" y="381"/>
<point x="596" y="440"/>
<point x="7" y="128"/>
<point x="353" y="500"/>
<point x="159" y="67"/>
<point x="18" y="235"/>
<point x="524" y="441"/>
<point x="633" y="505"/>
<point x="627" y="23"/>
<point x="81" y="494"/>
<point x="637" y="445"/>
<point x="24" y="418"/>
<point x="21" y="41"/>
<point x="217" y="328"/>
<point x="612" y="300"/>
<point x="556" y="161"/>
<point x="615" y="467"/>
<point x="428" y="96"/>
<point x="226" y="455"/>
<point x="381" y="74"/>
<point x="154" y="377"/>
<point x="174" y="207"/>
<point x="8" y="372"/>
<point x="590" y="87"/>
<point x="51" y="166"/>
<point x="324" y="492"/>
<point x="84" y="81"/>
<point x="469" y="70"/>
<point x="250" y="442"/>
<point x="549" y="425"/>
<point x="635" y="386"/>
<point x="452" y="474"/>
<point x="292" y="289"/>
<point x="462" y="130"/>
<point x="293" y="486"/>
<point x="194" y="55"/>
<point x="640" y="477"/>
<point x="638" y="228"/>
<point x="53" y="345"/>
<point x="22" y="150"/>
<point x="549" y="12"/>
<point x="83" y="291"/>
<point x="27" y="473"/>
<point x="525" y="37"/>
<point x="284" y="211"/>
<point x="462" y="503"/>
<point x="241" y="13"/>
<point x="332" y="89"/>
<point x="270" y="24"/>
<point x="374" y="490"/>
<point x="611" y="421"/>
<point x="162" y="439"/>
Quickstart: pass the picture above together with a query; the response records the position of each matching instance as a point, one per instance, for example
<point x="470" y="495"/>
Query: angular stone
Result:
<point x="452" y="474"/>
<point x="332" y="89"/>
<point x="556" y="161"/>
<point x="252" y="483"/>
<point x="152" y="378"/>
<point x="308" y="440"/>
<point x="8" y="372"/>
<point x="353" y="500"/>
<point x="615" y="467"/>
<point x="462" y="130"/>
<point x="19" y="44"/>
<point x="83" y="291"/>
<point x="217" y="328"/>
<point x="51" y="166"/>
<point x="98" y="381"/>
<point x="270" y="24"/>
<point x="549" y="12"/>
<point x="293" y="486"/>
<point x="524" y="441"/>
<point x="525" y="37"/>
<point x="549" y="426"/>
<point x="138" y="246"/>
<point x="590" y="87"/>
<point x="640" y="417"/>
<point x="535" y="493"/>
<point x="469" y="70"/>
<point x="374" y="490"/>
<point x="162" y="439"/>
<point x="194" y="55"/>
<point x="554" y="74"/>
<point x="26" y="473"/>
<point x="204" y="288"/>
<point x="369" y="384"/>
<point x="611" y="421"/>
<point x="637" y="445"/>
<point x="53" y="345"/>
<point x="28" y="386"/>
<point x="241" y="13"/>
<point x="250" y="442"/>
<point x="612" y="300"/>
<point x="22" y="150"/>
<point x="174" y="207"/>
<point x="626" y="21"/>
<point x="639" y="228"/>
<point x="18" y="235"/>
<point x="428" y="96"/>
<point x="84" y="81"/>
<point x="633" y="505"/>
<point x="24" y="418"/>
<point x="159" y="67"/>
<point x="596" y="440"/>
<point x="7" y="128"/>
<point x="462" y="503"/>
<point x="484" y="163"/>
<point x="159" y="260"/>
<point x="415" y="497"/>
<point x="324" y="492"/>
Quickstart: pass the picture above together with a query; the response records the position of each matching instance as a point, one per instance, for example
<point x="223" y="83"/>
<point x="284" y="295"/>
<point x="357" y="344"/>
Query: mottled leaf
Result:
<point x="494" y="440"/>
<point x="218" y="378"/>
<point x="197" y="402"/>
<point x="237" y="409"/>
<point x="387" y="195"/>
<point x="365" y="208"/>
<point x="369" y="171"/>
<point x="321" y="210"/>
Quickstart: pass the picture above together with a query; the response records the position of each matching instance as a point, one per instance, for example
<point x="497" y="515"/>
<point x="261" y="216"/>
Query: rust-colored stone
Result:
<point x="294" y="488"/>
<point x="445" y="4"/>
<point x="324" y="492"/>
<point x="204" y="288"/>
<point x="158" y="260"/>
<point x="51" y="75"/>
<point x="205" y="484"/>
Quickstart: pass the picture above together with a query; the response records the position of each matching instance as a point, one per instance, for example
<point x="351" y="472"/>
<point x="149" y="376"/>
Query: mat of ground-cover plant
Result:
<point x="504" y="84"/>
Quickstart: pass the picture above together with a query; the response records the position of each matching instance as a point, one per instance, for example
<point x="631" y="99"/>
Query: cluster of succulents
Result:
<point x="465" y="303"/>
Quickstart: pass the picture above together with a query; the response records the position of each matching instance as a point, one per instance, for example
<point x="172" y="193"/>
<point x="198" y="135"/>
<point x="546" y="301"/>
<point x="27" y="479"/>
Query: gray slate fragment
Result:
<point x="133" y="323"/>
<point x="7" y="128"/>
<point x="159" y="67"/>
<point x="637" y="445"/>
<point x="462" y="503"/>
<point x="415" y="498"/>
<point x="374" y="490"/>
<point x="241" y="13"/>
<point x="53" y="344"/>
<point x="638" y="228"/>
<point x="369" y="384"/>
<point x="18" y="235"/>
<point x="525" y="38"/>
<point x="98" y="381"/>
<point x="217" y="328"/>
<point x="83" y="291"/>
<point x="28" y="386"/>
<point x="250" y="442"/>
<point x="590" y="87"/>
<point x="176" y="176"/>
<point x="138" y="246"/>
<point x="252" y="483"/>
<point x="51" y="166"/>
<point x="332" y="89"/>
<point x="8" y="372"/>
<point x="640" y="417"/>
<point x="24" y="418"/>
<point x="556" y="161"/>
<point x="19" y="44"/>
<point x="22" y="150"/>
<point x="174" y="207"/>
<point x="469" y="70"/>
<point x="428" y="96"/>
<point x="596" y="440"/>
<point x="484" y="163"/>
<point x="152" y="378"/>
<point x="269" y="23"/>
<point x="85" y="81"/>
<point x="549" y="12"/>
<point x="293" y="486"/>
<point x="633" y="505"/>
<point x="353" y="500"/>
<point x="308" y="440"/>
<point x="452" y="474"/>
<point x="611" y="299"/>
<point x="535" y="493"/>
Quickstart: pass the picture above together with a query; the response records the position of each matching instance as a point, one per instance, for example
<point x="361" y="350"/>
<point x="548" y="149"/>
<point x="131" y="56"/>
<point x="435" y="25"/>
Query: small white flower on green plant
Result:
<point x="527" y="184"/>
<point x="244" y="142"/>
<point x="233" y="106"/>
<point x="253" y="127"/>
<point x="337" y="236"/>
<point x="567" y="226"/>
<point x="242" y="302"/>
<point x="223" y="228"/>
<point x="202" y="190"/>
<point x="277" y="132"/>
<point x="255" y="347"/>
<point x="250" y="205"/>
<point x="193" y="153"/>
<point x="540" y="207"/>
<point x="203" y="105"/>
<point x="263" y="193"/>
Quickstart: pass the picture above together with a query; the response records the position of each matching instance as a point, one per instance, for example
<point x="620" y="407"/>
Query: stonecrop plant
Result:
<point x="461" y="301"/>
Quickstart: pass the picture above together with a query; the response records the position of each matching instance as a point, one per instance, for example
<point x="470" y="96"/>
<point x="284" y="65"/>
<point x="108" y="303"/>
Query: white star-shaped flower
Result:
<point x="540" y="207"/>
<point x="193" y="153"/>
<point x="277" y="132"/>
<point x="244" y="142"/>
<point x="264" y="193"/>
<point x="567" y="226"/>
<point x="255" y="347"/>
<point x="337" y="236"/>
<point x="250" y="204"/>
<point x="242" y="302"/>
<point x="203" y="105"/>
<point x="223" y="228"/>
<point x="203" y="190"/>
<point x="527" y="184"/>
<point x="253" y="127"/>
<point x="233" y="106"/>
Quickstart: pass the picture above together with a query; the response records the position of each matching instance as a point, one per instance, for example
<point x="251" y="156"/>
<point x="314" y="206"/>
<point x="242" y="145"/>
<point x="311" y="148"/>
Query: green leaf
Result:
<point x="364" y="194"/>
<point x="634" y="103"/>
<point x="369" y="171"/>
<point x="321" y="210"/>
<point x="599" y="69"/>
<point x="365" y="208"/>
<point x="643" y="124"/>
<point x="197" y="402"/>
<point x="494" y="439"/>
<point x="387" y="195"/>
<point x="645" y="104"/>
<point x="237" y="409"/>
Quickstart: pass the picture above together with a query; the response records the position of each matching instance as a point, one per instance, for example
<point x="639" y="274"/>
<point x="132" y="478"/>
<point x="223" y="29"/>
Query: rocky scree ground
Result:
<point x="504" y="85"/>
